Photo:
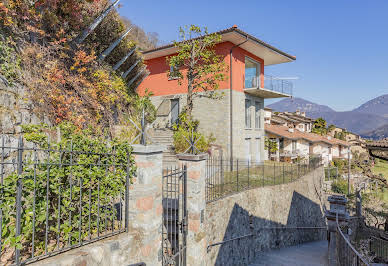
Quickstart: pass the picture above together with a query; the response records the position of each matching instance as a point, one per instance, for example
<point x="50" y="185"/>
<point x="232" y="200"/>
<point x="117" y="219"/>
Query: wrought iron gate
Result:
<point x="174" y="230"/>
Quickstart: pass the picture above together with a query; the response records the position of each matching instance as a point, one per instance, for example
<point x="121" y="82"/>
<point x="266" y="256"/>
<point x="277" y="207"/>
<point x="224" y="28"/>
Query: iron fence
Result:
<point x="54" y="199"/>
<point x="346" y="254"/>
<point x="331" y="173"/>
<point x="225" y="176"/>
<point x="175" y="216"/>
<point x="379" y="247"/>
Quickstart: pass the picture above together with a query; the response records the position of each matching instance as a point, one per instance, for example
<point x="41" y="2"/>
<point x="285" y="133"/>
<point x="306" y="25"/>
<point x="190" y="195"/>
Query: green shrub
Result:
<point x="340" y="186"/>
<point x="182" y="134"/>
<point x="9" y="61"/>
<point x="67" y="173"/>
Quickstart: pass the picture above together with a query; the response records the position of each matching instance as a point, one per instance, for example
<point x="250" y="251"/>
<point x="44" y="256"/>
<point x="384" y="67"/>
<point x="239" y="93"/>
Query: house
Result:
<point x="237" y="119"/>
<point x="356" y="141"/>
<point x="297" y="120"/>
<point x="293" y="144"/>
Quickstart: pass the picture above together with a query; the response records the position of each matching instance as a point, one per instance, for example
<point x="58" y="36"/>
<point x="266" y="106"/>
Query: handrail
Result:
<point x="349" y="244"/>
<point x="264" y="228"/>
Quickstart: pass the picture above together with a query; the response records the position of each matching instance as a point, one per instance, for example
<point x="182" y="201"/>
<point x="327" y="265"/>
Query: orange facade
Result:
<point x="159" y="84"/>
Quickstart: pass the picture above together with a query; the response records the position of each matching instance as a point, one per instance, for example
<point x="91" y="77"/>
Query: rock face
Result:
<point x="15" y="108"/>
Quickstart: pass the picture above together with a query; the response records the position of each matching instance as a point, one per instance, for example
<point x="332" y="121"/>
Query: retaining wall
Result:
<point x="296" y="204"/>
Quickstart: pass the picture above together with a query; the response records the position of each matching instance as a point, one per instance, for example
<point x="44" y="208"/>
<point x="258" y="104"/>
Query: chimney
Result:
<point x="291" y="130"/>
<point x="303" y="114"/>
<point x="297" y="112"/>
<point x="234" y="26"/>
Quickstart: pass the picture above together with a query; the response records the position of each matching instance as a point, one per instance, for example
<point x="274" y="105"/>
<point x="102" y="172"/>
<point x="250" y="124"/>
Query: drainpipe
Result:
<point x="231" y="100"/>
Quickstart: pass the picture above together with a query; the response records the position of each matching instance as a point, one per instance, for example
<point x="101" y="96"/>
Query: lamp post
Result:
<point x="348" y="170"/>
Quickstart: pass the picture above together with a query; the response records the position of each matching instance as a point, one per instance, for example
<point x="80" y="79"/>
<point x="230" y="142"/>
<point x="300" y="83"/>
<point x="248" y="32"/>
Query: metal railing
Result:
<point x="225" y="177"/>
<point x="331" y="173"/>
<point x="270" y="83"/>
<point x="278" y="84"/>
<point x="347" y="255"/>
<point x="379" y="247"/>
<point x="53" y="199"/>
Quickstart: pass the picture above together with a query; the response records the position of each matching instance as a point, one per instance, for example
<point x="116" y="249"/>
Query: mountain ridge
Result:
<point x="363" y="120"/>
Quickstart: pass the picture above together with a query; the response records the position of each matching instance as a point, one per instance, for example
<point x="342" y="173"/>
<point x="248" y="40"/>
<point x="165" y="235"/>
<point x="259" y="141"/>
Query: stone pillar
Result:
<point x="196" y="207"/>
<point x="145" y="206"/>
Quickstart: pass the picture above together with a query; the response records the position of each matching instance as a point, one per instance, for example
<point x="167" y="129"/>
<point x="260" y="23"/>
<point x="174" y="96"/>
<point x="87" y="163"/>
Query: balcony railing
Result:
<point x="270" y="83"/>
<point x="277" y="84"/>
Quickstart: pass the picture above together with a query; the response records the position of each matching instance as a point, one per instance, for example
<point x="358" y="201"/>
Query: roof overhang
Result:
<point x="268" y="53"/>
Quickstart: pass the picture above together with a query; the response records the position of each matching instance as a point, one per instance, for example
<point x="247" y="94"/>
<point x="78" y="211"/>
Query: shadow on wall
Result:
<point x="302" y="213"/>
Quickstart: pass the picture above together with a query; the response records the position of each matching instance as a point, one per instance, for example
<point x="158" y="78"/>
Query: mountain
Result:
<point x="353" y="121"/>
<point x="379" y="133"/>
<point x="292" y="104"/>
<point x="377" y="106"/>
<point x="372" y="115"/>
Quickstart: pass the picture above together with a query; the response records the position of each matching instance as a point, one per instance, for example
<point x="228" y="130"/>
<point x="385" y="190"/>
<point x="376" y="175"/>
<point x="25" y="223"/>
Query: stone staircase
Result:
<point x="164" y="136"/>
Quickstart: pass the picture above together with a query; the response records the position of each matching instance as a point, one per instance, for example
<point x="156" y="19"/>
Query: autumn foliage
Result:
<point x="67" y="84"/>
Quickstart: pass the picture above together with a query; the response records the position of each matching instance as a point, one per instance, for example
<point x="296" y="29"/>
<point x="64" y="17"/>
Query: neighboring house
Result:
<point x="357" y="143"/>
<point x="237" y="119"/>
<point x="293" y="143"/>
<point x="297" y="120"/>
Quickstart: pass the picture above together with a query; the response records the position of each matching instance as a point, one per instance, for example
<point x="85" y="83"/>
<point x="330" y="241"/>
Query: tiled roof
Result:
<point x="284" y="132"/>
<point x="378" y="144"/>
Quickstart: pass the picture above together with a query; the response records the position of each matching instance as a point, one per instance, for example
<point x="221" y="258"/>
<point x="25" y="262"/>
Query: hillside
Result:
<point x="366" y="118"/>
<point x="379" y="133"/>
<point x="377" y="106"/>
<point x="352" y="121"/>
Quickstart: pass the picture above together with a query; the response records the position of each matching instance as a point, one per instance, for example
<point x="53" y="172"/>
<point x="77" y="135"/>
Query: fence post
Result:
<point x="273" y="179"/>
<point x="145" y="209"/>
<point x="263" y="172"/>
<point x="196" y="206"/>
<point x="19" y="196"/>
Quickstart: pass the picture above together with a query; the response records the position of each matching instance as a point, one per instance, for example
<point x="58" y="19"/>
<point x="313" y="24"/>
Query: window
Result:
<point x="248" y="114"/>
<point x="174" y="72"/>
<point x="257" y="115"/>
<point x="252" y="73"/>
<point x="293" y="146"/>
<point x="281" y="144"/>
<point x="248" y="149"/>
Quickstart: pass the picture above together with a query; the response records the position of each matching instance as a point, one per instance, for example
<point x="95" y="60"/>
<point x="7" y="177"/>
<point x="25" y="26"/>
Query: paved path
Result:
<point x="308" y="254"/>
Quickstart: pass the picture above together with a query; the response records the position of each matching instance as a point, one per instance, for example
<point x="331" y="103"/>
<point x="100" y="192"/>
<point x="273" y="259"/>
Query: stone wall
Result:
<point x="296" y="204"/>
<point x="15" y="108"/>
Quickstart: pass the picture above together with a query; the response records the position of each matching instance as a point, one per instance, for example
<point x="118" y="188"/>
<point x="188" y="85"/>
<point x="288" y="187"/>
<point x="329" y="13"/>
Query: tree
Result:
<point x="197" y="63"/>
<point x="320" y="126"/>
<point x="271" y="145"/>
<point x="331" y="128"/>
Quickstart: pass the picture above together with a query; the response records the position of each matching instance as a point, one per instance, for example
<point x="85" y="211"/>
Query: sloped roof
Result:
<point x="378" y="144"/>
<point x="236" y="36"/>
<point x="284" y="132"/>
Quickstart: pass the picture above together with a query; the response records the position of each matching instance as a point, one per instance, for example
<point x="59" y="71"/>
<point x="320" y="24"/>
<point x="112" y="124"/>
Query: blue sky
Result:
<point x="341" y="46"/>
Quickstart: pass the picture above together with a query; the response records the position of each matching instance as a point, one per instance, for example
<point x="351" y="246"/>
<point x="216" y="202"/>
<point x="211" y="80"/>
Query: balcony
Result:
<point x="273" y="87"/>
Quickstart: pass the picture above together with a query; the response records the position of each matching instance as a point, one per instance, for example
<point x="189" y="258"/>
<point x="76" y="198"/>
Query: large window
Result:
<point x="252" y="73"/>
<point x="257" y="115"/>
<point x="248" y="123"/>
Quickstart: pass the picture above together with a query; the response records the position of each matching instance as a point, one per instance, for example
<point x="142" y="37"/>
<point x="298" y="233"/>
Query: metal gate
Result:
<point x="174" y="230"/>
